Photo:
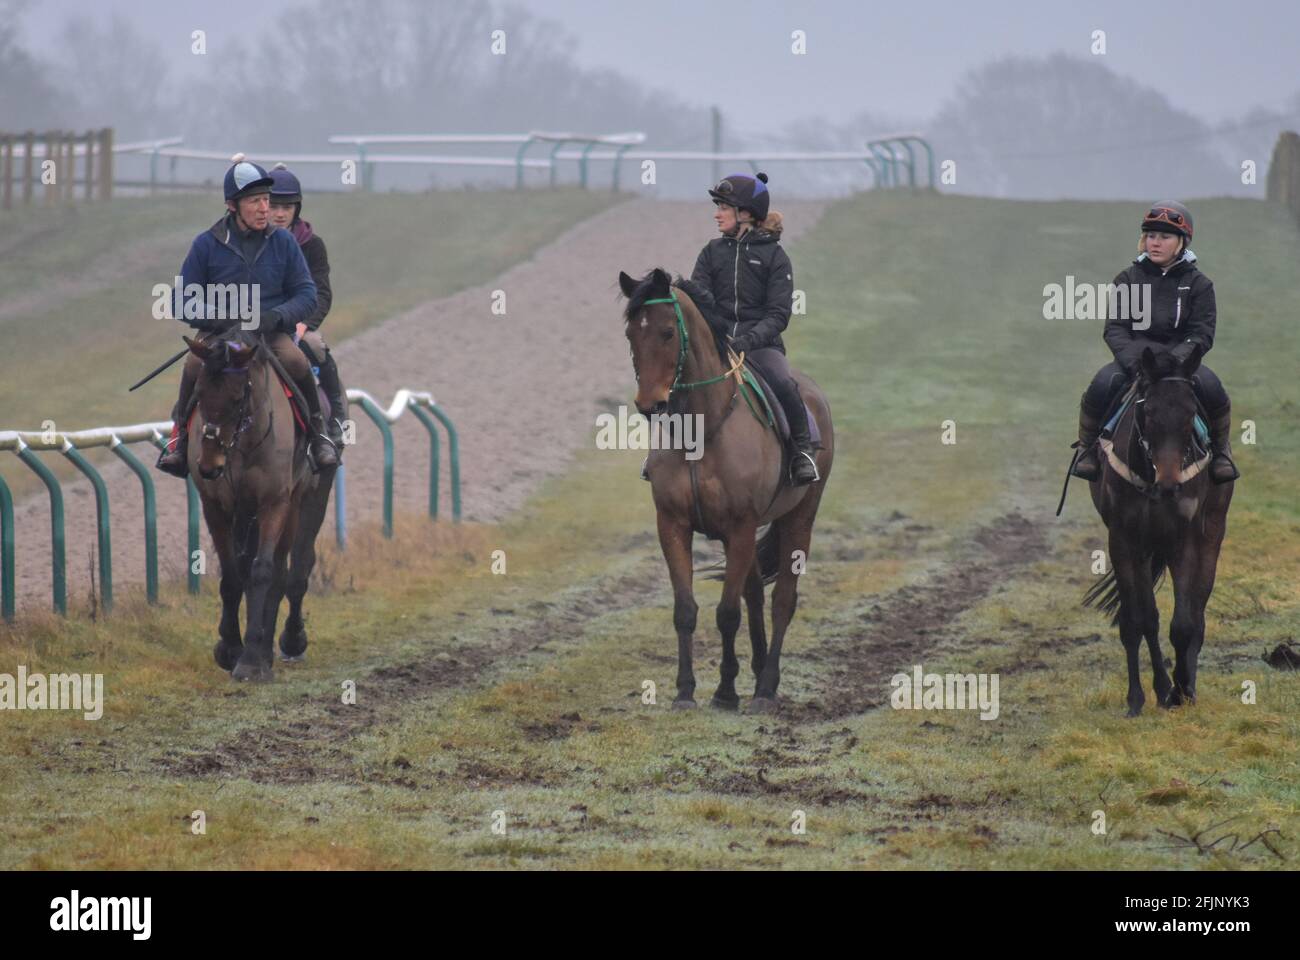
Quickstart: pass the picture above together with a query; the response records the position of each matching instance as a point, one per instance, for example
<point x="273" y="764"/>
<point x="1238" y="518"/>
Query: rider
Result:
<point x="245" y="248"/>
<point x="286" y="213"/>
<point x="745" y="280"/>
<point x="1181" y="312"/>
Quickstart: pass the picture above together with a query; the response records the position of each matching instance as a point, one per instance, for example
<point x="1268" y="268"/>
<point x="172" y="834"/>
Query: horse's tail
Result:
<point x="766" y="555"/>
<point x="1104" y="594"/>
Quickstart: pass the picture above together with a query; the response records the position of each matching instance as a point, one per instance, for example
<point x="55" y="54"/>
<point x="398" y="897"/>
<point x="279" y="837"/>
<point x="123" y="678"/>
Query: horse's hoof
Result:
<point x="718" y="703"/>
<point x="293" y="645"/>
<point x="683" y="704"/>
<point x="227" y="656"/>
<point x="256" y="672"/>
<point x="762" y="705"/>
<point x="1133" y="712"/>
<point x="296" y="658"/>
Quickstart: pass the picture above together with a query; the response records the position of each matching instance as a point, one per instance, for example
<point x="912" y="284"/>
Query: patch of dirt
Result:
<point x="313" y="746"/>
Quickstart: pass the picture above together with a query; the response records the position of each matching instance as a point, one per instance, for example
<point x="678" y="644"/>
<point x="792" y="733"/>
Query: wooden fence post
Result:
<point x="29" y="146"/>
<point x="9" y="171"/>
<point x="106" y="164"/>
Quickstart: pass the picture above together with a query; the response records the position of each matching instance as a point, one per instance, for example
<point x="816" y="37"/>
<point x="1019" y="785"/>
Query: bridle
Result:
<point x="1148" y="487"/>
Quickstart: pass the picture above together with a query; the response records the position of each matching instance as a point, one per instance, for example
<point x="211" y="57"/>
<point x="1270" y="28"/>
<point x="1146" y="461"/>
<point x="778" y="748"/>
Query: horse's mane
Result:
<point x="659" y="283"/>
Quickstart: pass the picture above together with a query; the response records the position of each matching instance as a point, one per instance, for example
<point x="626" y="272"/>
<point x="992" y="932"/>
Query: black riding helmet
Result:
<point x="1169" y="216"/>
<point x="744" y="192"/>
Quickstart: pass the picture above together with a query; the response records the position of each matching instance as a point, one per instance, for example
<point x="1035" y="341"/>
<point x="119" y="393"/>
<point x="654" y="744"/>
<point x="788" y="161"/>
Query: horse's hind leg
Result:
<point x="675" y="540"/>
<point x="754" y="614"/>
<point x="740" y="562"/>
<point x="794" y="533"/>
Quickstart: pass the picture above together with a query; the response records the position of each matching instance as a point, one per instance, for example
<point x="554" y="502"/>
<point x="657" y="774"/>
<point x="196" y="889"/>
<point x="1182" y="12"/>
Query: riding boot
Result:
<point x="1222" y="469"/>
<point x="329" y="381"/>
<point x="803" y="467"/>
<point x="1087" y="466"/>
<point x="322" y="449"/>
<point x="174" y="458"/>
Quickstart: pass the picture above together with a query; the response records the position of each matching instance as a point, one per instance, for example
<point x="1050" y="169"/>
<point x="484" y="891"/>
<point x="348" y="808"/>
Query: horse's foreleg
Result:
<point x="302" y="559"/>
<point x="1151" y="629"/>
<point x="230" y="645"/>
<point x="675" y="541"/>
<point x="1193" y="582"/>
<point x="255" y="663"/>
<point x="1133" y="578"/>
<point x="740" y="561"/>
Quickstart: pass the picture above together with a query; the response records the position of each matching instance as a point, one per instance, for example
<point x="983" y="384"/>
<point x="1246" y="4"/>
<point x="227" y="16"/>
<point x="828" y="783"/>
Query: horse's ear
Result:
<point x="200" y="350"/>
<point x="626" y="284"/>
<point x="1193" y="361"/>
<point x="1147" y="363"/>
<point x="241" y="355"/>
<point x="662" y="279"/>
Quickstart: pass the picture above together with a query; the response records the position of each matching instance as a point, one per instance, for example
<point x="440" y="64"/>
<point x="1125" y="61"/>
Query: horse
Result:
<point x="738" y="484"/>
<point x="260" y="500"/>
<point x="1162" y="512"/>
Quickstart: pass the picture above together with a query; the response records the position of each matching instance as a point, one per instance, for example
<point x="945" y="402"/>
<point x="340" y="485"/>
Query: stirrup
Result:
<point x="1236" y="474"/>
<point x="180" y="468"/>
<point x="816" y="473"/>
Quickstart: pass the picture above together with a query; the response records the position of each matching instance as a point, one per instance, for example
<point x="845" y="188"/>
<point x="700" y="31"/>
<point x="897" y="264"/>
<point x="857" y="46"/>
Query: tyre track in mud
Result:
<point x="312" y="746"/>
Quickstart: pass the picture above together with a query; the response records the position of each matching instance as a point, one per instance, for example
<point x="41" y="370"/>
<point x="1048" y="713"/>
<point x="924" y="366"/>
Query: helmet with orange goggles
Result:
<point x="1168" y="216"/>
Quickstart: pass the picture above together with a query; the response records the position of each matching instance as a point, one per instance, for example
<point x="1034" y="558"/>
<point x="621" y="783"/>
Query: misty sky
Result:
<point x="897" y="60"/>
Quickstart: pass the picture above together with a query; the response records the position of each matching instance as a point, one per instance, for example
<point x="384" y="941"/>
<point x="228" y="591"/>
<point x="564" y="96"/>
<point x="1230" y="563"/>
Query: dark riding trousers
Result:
<point x="775" y="368"/>
<point x="1110" y="382"/>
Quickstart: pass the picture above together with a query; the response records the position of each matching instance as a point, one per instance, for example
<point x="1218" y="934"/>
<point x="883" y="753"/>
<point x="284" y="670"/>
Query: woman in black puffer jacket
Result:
<point x="743" y="283"/>
<point x="1181" y="317"/>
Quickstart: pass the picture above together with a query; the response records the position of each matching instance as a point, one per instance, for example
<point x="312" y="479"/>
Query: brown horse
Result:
<point x="738" y="484"/>
<point x="254" y="481"/>
<point x="1162" y="511"/>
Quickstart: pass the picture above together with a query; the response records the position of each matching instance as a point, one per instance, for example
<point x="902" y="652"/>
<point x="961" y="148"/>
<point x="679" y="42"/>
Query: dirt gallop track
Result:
<point x="522" y="388"/>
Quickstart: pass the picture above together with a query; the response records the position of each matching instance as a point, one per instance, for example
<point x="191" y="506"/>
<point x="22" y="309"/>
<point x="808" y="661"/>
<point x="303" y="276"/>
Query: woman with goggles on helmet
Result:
<point x="1179" y="317"/>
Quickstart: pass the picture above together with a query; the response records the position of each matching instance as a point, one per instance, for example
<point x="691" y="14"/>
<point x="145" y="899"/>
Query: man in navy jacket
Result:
<point x="244" y="252"/>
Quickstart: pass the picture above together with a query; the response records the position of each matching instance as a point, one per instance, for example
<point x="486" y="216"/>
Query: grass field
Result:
<point x="517" y="698"/>
<point x="76" y="286"/>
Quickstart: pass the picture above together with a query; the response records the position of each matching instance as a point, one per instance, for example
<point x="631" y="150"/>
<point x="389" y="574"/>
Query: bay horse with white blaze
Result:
<point x="737" y="485"/>
<point x="1162" y="510"/>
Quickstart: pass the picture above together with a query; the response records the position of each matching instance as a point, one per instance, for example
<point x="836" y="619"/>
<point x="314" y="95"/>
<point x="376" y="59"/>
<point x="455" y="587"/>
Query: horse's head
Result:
<point x="655" y="333"/>
<point x="1166" y="413"/>
<point x="222" y="391"/>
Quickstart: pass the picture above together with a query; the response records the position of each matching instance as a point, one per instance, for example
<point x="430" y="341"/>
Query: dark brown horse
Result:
<point x="738" y="484"/>
<point x="1163" y="512"/>
<point x="260" y="500"/>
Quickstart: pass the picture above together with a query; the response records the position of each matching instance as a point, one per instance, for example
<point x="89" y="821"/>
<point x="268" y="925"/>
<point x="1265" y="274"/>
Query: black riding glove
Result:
<point x="743" y="344"/>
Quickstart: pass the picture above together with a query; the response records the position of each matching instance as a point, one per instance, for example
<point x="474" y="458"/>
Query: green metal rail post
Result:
<point x="102" y="520"/>
<point x="6" y="552"/>
<point x="375" y="414"/>
<point x="150" y="518"/>
<point x="192" y="522"/>
<point x="58" y="568"/>
<point x="432" y="427"/>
